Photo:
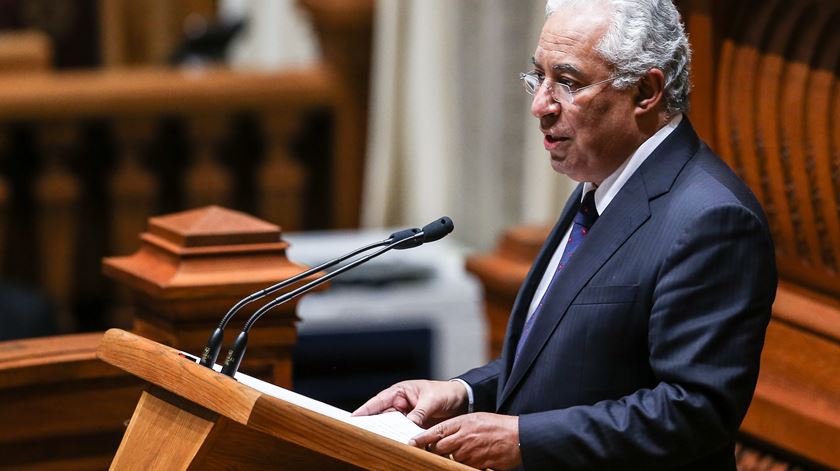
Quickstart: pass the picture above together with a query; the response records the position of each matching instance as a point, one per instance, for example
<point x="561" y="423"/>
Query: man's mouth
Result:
<point x="551" y="141"/>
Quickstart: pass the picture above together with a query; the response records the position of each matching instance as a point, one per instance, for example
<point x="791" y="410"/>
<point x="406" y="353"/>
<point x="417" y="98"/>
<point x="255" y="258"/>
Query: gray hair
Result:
<point x="642" y="35"/>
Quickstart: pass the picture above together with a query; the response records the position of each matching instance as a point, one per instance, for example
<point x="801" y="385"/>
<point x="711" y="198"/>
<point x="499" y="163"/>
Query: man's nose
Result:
<point x="543" y="105"/>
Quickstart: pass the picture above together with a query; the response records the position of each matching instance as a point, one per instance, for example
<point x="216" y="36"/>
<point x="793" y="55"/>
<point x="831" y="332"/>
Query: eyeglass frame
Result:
<point x="569" y="92"/>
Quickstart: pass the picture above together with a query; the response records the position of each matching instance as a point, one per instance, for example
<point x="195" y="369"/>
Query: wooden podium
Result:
<point x="193" y="418"/>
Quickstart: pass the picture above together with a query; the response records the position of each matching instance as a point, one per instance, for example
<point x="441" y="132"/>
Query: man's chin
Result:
<point x="560" y="164"/>
<point x="562" y="167"/>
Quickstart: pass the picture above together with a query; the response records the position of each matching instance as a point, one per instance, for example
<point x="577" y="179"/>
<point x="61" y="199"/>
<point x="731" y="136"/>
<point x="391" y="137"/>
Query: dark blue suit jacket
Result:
<point x="646" y="352"/>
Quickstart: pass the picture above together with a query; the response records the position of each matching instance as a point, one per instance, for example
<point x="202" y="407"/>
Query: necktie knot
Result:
<point x="587" y="213"/>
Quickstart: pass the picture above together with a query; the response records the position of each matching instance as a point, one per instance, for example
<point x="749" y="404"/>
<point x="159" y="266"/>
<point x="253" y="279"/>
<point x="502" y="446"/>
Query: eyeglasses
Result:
<point x="560" y="92"/>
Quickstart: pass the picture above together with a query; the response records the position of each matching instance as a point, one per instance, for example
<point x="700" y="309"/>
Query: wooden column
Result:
<point x="193" y="266"/>
<point x="345" y="30"/>
<point x="133" y="188"/>
<point x="58" y="192"/>
<point x="208" y="182"/>
<point x="134" y="191"/>
<point x="281" y="178"/>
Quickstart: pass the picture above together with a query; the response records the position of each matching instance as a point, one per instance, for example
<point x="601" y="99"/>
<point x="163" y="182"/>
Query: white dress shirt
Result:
<point x="604" y="194"/>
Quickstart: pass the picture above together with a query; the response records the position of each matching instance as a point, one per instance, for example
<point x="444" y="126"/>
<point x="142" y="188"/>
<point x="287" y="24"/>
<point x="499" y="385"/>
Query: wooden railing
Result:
<point x="63" y="409"/>
<point x="86" y="157"/>
<point x="89" y="156"/>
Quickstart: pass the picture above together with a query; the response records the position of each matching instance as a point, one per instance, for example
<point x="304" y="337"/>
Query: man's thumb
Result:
<point x="420" y="413"/>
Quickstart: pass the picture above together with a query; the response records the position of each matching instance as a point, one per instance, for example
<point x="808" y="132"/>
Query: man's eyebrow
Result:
<point x="567" y="68"/>
<point x="560" y="68"/>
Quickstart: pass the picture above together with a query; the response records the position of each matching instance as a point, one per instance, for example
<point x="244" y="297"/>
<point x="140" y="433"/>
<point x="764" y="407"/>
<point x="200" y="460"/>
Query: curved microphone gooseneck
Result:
<point x="214" y="343"/>
<point x="430" y="233"/>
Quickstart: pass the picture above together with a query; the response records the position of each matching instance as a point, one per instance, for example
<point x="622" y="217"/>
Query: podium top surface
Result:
<point x="171" y="370"/>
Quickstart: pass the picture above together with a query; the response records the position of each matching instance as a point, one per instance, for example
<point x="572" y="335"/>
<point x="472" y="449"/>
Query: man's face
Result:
<point x="590" y="138"/>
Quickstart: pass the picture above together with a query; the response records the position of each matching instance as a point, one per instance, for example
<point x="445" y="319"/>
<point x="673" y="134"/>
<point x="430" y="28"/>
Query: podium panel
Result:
<point x="195" y="418"/>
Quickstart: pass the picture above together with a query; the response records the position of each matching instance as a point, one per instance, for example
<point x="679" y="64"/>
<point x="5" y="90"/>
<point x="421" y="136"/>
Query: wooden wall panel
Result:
<point x="776" y="83"/>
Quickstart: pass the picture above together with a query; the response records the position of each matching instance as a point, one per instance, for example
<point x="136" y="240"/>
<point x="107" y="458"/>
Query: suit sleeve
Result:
<point x="484" y="382"/>
<point x="710" y="308"/>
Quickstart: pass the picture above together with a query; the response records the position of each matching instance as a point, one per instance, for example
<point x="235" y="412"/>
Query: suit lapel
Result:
<point x="532" y="280"/>
<point x="625" y="214"/>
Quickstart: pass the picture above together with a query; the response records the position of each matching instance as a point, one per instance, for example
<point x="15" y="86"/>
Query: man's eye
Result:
<point x="568" y="82"/>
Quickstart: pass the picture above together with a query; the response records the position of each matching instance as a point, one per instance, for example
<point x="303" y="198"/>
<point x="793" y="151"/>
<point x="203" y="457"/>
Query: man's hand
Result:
<point x="424" y="402"/>
<point x="479" y="440"/>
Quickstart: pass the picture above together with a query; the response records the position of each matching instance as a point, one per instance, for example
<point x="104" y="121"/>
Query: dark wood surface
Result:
<point x="62" y="408"/>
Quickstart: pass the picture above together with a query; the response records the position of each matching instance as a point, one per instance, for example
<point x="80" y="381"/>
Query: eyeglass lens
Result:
<point x="559" y="92"/>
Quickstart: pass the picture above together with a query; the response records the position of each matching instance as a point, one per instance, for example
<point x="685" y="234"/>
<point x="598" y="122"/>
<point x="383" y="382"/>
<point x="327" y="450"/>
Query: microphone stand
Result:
<point x="237" y="351"/>
<point x="214" y="343"/>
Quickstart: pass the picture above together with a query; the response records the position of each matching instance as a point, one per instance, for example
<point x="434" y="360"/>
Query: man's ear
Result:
<point x="650" y="91"/>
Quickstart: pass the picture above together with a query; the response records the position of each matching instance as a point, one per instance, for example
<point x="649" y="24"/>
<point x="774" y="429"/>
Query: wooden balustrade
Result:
<point x="63" y="409"/>
<point x="87" y="156"/>
<point x="106" y="149"/>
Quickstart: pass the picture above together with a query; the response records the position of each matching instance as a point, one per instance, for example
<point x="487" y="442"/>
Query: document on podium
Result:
<point x="391" y="425"/>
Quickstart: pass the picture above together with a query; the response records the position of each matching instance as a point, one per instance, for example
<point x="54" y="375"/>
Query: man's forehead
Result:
<point x="574" y="25"/>
<point x="569" y="37"/>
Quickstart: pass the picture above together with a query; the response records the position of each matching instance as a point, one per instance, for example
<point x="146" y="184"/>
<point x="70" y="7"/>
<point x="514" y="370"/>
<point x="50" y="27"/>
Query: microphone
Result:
<point x="214" y="343"/>
<point x="431" y="232"/>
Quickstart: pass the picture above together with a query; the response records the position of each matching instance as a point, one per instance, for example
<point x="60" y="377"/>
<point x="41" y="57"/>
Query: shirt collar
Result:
<point x="606" y="191"/>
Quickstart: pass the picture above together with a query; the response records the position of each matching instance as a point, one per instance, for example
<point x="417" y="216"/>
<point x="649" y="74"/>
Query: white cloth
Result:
<point x="450" y="131"/>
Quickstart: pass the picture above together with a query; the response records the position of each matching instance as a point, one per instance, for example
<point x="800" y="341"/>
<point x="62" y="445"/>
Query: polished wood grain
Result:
<point x="192" y="266"/>
<point x="775" y="92"/>
<point x="163" y="366"/>
<point x="198" y="396"/>
<point x="62" y="408"/>
<point x="164" y="436"/>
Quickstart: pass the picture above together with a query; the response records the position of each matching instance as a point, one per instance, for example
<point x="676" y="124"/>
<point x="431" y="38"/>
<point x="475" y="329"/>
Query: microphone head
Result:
<point x="407" y="236"/>
<point x="437" y="229"/>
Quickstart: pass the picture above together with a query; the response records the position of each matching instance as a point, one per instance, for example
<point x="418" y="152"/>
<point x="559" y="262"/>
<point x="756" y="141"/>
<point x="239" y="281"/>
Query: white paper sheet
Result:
<point x="391" y="425"/>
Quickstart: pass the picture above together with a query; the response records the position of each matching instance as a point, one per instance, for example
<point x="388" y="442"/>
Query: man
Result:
<point x="634" y="342"/>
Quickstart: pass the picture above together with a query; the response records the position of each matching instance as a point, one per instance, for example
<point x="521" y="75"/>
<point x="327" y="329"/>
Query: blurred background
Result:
<point x="335" y="120"/>
<point x="385" y="123"/>
<point x="338" y="121"/>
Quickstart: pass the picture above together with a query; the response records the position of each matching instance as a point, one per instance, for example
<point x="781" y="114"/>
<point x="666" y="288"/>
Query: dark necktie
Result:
<point x="584" y="219"/>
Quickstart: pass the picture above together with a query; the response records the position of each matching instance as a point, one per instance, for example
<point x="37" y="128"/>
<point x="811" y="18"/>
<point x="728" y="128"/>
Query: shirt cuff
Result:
<point x="470" y="405"/>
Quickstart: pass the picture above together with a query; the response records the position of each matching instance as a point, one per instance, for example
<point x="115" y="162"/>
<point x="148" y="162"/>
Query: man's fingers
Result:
<point x="446" y="445"/>
<point x="425" y="410"/>
<point x="435" y="434"/>
<point x="418" y="415"/>
<point x="426" y="438"/>
<point x="377" y="404"/>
